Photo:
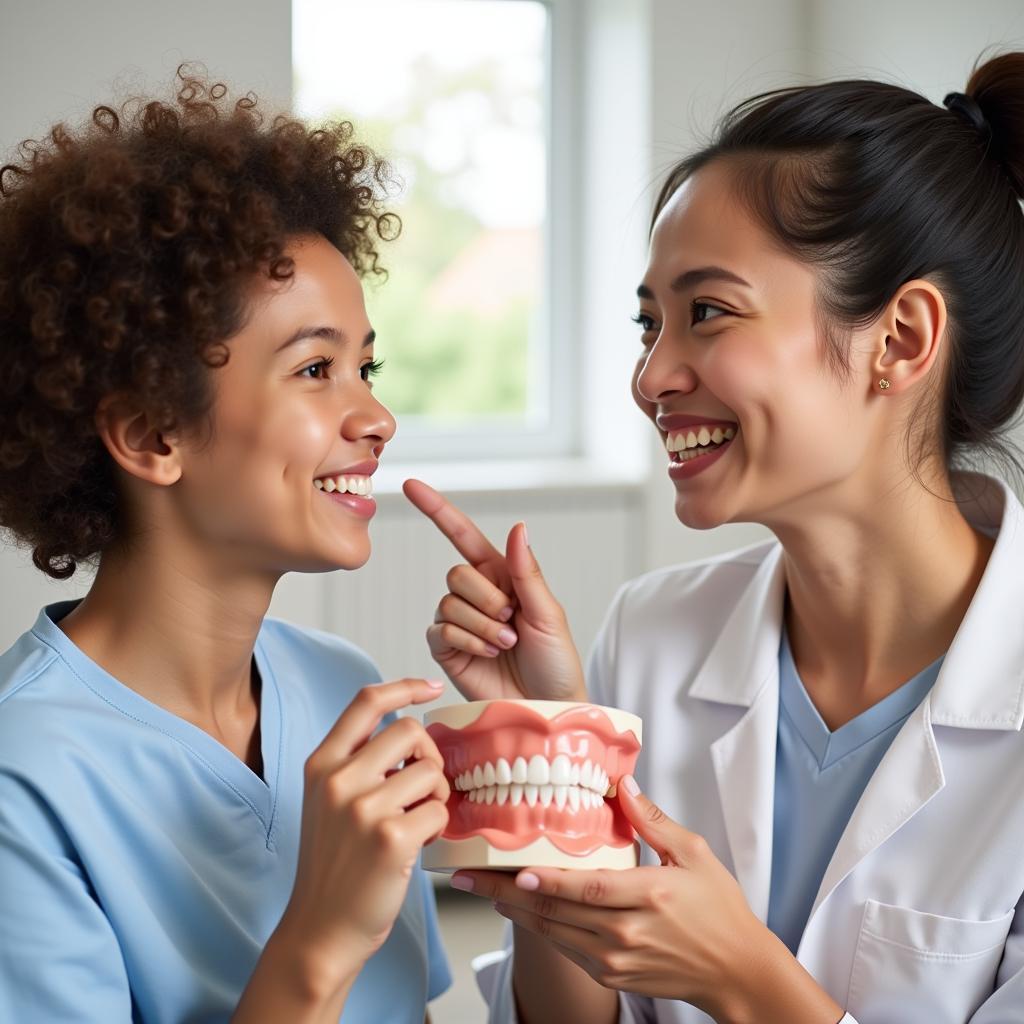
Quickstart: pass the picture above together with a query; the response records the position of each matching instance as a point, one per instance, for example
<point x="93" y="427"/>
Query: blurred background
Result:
<point x="529" y="137"/>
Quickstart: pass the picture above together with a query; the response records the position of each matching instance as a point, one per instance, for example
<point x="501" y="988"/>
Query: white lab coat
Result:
<point x="916" y="920"/>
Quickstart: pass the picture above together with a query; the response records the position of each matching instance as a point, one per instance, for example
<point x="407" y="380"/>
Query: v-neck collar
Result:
<point x="827" y="746"/>
<point x="260" y="794"/>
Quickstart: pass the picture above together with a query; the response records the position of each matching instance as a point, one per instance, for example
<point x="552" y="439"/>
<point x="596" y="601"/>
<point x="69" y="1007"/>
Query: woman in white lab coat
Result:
<point x="832" y="321"/>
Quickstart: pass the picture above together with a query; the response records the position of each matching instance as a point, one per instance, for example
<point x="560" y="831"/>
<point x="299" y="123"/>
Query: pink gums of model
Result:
<point x="529" y="784"/>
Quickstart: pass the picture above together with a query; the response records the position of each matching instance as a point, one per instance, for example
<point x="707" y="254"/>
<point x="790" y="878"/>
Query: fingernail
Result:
<point x="526" y="536"/>
<point x="462" y="882"/>
<point x="506" y="613"/>
<point x="527" y="880"/>
<point x="491" y="649"/>
<point x="507" y="636"/>
<point x="436" y="684"/>
<point x="628" y="783"/>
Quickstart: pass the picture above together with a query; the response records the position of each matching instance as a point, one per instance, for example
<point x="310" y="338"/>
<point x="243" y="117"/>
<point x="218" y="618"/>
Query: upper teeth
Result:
<point x="576" y="797"/>
<point x="535" y="772"/>
<point x="699" y="436"/>
<point x="352" y="484"/>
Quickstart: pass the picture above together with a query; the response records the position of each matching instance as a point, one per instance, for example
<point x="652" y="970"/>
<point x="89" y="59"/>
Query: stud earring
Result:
<point x="884" y="384"/>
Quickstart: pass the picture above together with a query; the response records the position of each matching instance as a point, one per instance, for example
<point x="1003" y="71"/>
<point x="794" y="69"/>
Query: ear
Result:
<point x="912" y="330"/>
<point x="134" y="444"/>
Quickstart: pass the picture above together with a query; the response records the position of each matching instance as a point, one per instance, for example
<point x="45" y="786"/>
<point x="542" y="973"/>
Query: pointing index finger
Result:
<point x="465" y="535"/>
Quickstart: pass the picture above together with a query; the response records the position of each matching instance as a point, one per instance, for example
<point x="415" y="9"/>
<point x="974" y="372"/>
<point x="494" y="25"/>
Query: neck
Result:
<point x="877" y="594"/>
<point x="176" y="626"/>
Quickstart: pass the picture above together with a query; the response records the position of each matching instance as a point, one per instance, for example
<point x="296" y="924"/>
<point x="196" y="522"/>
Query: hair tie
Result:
<point x="967" y="107"/>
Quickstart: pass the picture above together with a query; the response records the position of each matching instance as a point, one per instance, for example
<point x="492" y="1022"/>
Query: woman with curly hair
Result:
<point x="199" y="817"/>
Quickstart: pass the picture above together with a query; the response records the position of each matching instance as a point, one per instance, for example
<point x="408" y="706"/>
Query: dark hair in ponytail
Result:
<point x="877" y="186"/>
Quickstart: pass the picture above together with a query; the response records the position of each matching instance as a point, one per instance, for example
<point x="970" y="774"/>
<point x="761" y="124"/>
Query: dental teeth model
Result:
<point x="533" y="785"/>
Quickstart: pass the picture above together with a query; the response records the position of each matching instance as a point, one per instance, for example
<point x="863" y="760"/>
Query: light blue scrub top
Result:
<point x="819" y="777"/>
<point x="143" y="866"/>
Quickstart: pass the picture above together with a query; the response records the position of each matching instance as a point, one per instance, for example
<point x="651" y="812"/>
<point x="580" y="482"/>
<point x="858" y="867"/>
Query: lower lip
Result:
<point x="690" y="468"/>
<point x="359" y="504"/>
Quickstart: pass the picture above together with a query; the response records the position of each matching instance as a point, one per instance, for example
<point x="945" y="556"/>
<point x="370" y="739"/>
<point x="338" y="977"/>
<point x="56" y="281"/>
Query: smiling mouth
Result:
<point x="686" y="445"/>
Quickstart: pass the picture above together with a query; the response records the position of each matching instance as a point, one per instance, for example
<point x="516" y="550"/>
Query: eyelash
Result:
<point x="371" y="369"/>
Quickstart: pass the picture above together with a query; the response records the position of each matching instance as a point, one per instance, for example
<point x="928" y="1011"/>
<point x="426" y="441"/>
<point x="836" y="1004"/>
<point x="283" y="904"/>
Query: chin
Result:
<point x="533" y="785"/>
<point x="349" y="557"/>
<point x="699" y="515"/>
<point x="351" y="560"/>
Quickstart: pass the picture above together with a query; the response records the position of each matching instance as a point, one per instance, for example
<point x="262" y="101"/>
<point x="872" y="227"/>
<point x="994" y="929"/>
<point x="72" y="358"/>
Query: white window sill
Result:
<point x="503" y="476"/>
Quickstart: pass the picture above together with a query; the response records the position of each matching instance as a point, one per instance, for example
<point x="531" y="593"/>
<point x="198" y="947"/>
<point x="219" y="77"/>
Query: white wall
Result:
<point x="927" y="45"/>
<point x="58" y="58"/>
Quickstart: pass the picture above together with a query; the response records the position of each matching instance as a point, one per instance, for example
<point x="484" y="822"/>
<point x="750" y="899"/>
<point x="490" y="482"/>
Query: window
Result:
<point x="460" y="96"/>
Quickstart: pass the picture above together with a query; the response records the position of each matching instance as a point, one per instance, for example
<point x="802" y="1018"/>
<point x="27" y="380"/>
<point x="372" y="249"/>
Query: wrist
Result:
<point x="312" y="975"/>
<point x="288" y="984"/>
<point x="774" y="988"/>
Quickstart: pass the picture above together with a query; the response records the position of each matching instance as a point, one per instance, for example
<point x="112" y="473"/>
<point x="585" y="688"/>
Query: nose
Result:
<point x="368" y="419"/>
<point x="664" y="372"/>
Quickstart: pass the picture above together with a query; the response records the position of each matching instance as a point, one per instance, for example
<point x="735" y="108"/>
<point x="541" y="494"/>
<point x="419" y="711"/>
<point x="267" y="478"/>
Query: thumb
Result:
<point x="536" y="602"/>
<point x="673" y="843"/>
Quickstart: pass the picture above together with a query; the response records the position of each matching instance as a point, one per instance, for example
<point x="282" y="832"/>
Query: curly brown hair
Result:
<point x="125" y="250"/>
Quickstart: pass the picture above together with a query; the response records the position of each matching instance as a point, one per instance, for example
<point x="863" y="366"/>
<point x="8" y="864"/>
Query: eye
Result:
<point x="646" y="322"/>
<point x="371" y="369"/>
<point x="318" y="370"/>
<point x="700" y="312"/>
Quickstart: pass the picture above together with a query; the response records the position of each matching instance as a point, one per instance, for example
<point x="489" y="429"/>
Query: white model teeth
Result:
<point x="538" y="771"/>
<point x="345" y="485"/>
<point x="682" y="440"/>
<point x="561" y="771"/>
<point x="561" y="782"/>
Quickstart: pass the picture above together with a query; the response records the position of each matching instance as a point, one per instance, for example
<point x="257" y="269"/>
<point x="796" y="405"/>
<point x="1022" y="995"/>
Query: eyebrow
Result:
<point x="692" y="278"/>
<point x="331" y="334"/>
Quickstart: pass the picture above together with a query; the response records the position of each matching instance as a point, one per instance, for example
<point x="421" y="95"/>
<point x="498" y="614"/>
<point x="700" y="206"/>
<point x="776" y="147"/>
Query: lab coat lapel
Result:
<point x="743" y="669"/>
<point x="908" y="777"/>
<point x="744" y="760"/>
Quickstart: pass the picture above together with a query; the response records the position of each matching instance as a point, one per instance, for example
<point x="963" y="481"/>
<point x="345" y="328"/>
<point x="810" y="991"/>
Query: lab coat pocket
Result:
<point x="921" y="968"/>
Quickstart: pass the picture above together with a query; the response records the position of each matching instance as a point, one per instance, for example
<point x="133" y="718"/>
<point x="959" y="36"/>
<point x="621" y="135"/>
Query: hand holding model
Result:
<point x="682" y="930"/>
<point x="363" y="825"/>
<point x="499" y="633"/>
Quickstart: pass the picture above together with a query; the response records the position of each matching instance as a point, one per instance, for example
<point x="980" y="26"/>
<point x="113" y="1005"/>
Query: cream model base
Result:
<point x="476" y="852"/>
